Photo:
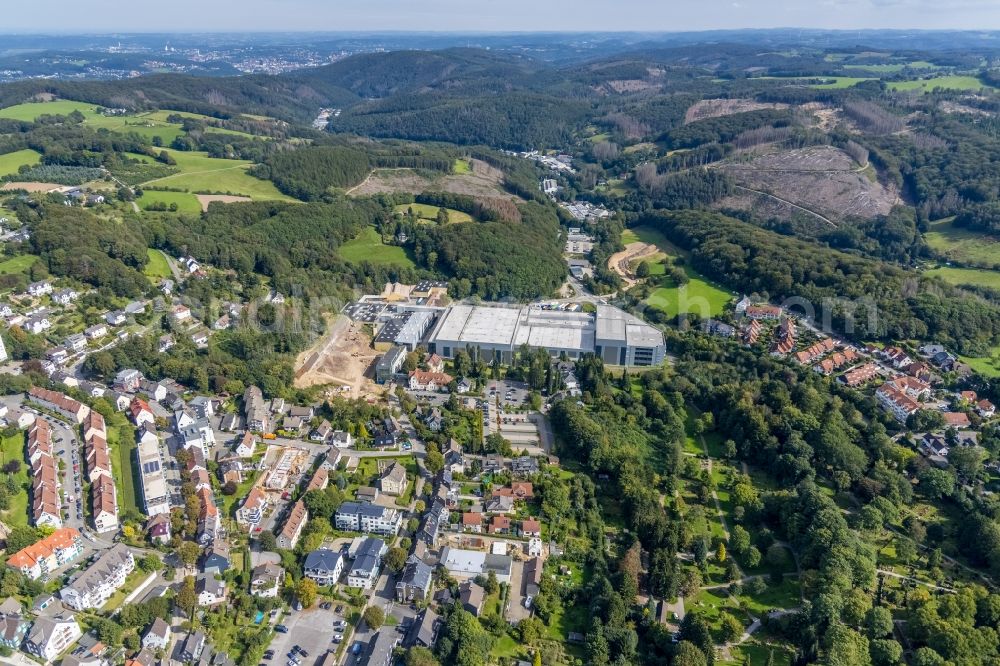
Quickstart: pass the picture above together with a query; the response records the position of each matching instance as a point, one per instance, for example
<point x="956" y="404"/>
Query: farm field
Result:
<point x="9" y="162"/>
<point x="961" y="244"/>
<point x="18" y="264"/>
<point x="947" y="82"/>
<point x="893" y="67"/>
<point x="201" y="173"/>
<point x="186" y="202"/>
<point x="976" y="277"/>
<point x="428" y="213"/>
<point x="368" y="246"/>
<point x="838" y="82"/>
<point x="157" y="267"/>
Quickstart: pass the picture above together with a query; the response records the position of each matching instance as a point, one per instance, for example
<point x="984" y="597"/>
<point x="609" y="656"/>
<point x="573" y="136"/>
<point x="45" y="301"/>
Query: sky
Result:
<point x="48" y="16"/>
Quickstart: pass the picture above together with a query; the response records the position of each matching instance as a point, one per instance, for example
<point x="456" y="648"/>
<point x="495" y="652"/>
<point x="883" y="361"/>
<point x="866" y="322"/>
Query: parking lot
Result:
<point x="312" y="630"/>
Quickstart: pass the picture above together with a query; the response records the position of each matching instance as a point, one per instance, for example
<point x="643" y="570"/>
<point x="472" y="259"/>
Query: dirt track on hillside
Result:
<point x="621" y="262"/>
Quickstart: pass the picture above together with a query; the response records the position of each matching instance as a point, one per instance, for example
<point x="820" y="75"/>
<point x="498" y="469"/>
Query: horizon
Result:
<point x="514" y="17"/>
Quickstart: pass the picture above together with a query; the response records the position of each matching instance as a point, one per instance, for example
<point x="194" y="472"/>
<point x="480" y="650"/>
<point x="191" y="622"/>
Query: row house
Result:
<point x="104" y="498"/>
<point x="140" y="412"/>
<point x="784" y="337"/>
<point x="44" y="476"/>
<point x="836" y="361"/>
<point x="859" y="375"/>
<point x="815" y="351"/>
<point x="292" y="530"/>
<point x="59" y="403"/>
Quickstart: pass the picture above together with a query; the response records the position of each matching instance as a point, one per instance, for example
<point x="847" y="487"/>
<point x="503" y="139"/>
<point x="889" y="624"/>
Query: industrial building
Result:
<point x="389" y="364"/>
<point x="498" y="332"/>
<point x="405" y="329"/>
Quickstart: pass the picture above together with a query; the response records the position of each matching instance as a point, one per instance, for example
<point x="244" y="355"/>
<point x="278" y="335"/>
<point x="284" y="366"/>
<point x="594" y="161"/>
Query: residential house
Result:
<point x="246" y="446"/>
<point x="421" y="380"/>
<point x="531" y="528"/>
<point x="501" y="504"/>
<point x="65" y="296"/>
<point x="158" y="527"/>
<point x="500" y="525"/>
<point x="92" y="588"/>
<point x="216" y="559"/>
<point x="763" y="312"/>
<point x="157" y="637"/>
<point x="366" y="494"/>
<point x="364" y="571"/>
<point x="434" y="420"/>
<point x="324" y="566"/>
<point x="532" y="577"/>
<point x="341" y="439"/>
<point x="76" y="342"/>
<point x="255" y="410"/>
<point x="472" y="521"/>
<point x="40" y="288"/>
<point x="115" y="318"/>
<point x="128" y="380"/>
<point x="210" y="590"/>
<point x="424" y="632"/>
<point x="434" y="521"/>
<point x="251" y="512"/>
<point x="524" y="466"/>
<point x="454" y="459"/>
<point x="296" y="521"/>
<point x="472" y="597"/>
<point x="104" y="500"/>
<point x="62" y="546"/>
<point x="985" y="408"/>
<point x="859" y="375"/>
<point x="192" y="647"/>
<point x="13" y="624"/>
<point x="393" y="480"/>
<point x="266" y="580"/>
<point x="361" y="517"/>
<point x="519" y="490"/>
<point x="59" y="403"/>
<point x="165" y="343"/>
<point x="140" y="412"/>
<point x="37" y="324"/>
<point x="321" y="432"/>
<point x="180" y="314"/>
<point x="465" y="564"/>
<point x="414" y="583"/>
<point x="51" y="635"/>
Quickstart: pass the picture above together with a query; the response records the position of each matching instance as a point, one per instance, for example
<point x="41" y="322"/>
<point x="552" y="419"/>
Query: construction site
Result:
<point x="342" y="359"/>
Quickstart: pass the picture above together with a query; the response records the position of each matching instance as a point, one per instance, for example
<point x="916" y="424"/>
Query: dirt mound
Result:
<point x="622" y="262"/>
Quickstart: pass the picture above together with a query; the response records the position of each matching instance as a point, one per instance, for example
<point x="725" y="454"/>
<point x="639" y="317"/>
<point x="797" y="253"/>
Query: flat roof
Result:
<point x="475" y="324"/>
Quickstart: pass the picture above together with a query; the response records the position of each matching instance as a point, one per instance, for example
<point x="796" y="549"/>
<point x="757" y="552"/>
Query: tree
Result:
<point x="373" y="617"/>
<point x="642" y="270"/>
<point x="187" y="598"/>
<point x="22" y="537"/>
<point x="845" y="647"/>
<point x="188" y="551"/>
<point x="420" y="656"/>
<point x="149" y="563"/>
<point x="690" y="582"/>
<point x="491" y="585"/>
<point x="926" y="656"/>
<point x="688" y="654"/>
<point x="434" y="461"/>
<point x="720" y="552"/>
<point x="878" y="622"/>
<point x="731" y="628"/>
<point x="306" y="590"/>
<point x="885" y="652"/>
<point x="395" y="559"/>
<point x="268" y="541"/>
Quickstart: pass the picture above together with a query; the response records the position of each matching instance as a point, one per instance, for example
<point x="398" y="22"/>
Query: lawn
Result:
<point x="157" y="266"/>
<point x="785" y="596"/>
<point x="986" y="366"/>
<point x="12" y="448"/>
<point x="429" y="213"/>
<point x="976" y="277"/>
<point x="18" y="264"/>
<point x="186" y="202"/>
<point x="368" y="246"/>
<point x="944" y="82"/>
<point x="9" y="162"/>
<point x="200" y="173"/>
<point x="758" y="654"/>
<point x="962" y="245"/>
<point x="122" y="442"/>
<point x="697" y="296"/>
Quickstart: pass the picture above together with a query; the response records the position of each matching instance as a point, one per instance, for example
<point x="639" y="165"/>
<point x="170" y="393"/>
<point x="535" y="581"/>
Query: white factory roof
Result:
<point x="615" y="324"/>
<point x="483" y="325"/>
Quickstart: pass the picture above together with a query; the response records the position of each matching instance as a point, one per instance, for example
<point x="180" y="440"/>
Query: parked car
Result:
<point x="281" y="629"/>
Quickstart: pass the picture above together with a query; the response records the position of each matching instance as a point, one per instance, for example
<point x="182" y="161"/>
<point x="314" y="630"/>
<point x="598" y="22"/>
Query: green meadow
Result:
<point x="368" y="246"/>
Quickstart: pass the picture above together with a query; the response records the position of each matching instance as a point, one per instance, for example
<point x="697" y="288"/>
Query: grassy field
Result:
<point x="967" y="276"/>
<point x="18" y="264"/>
<point x="961" y="244"/>
<point x="368" y="246"/>
<point x="946" y="82"/>
<point x="9" y="162"/>
<point x="839" y="82"/>
<point x="988" y="366"/>
<point x="429" y="213"/>
<point x="12" y="448"/>
<point x="32" y="110"/>
<point x="157" y="267"/>
<point x="204" y="174"/>
<point x="462" y="166"/>
<point x="186" y="202"/>
<point x="893" y="67"/>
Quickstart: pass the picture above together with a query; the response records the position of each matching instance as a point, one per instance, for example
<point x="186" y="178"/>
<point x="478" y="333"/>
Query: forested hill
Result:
<point x="750" y="259"/>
